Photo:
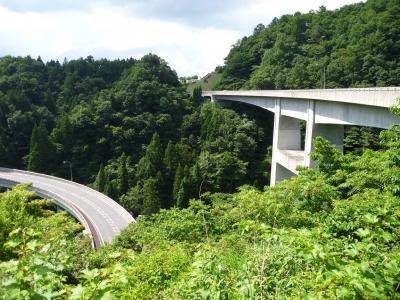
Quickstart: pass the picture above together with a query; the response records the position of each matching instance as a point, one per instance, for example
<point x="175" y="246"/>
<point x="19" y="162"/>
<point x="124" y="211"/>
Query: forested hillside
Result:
<point x="333" y="232"/>
<point x="128" y="128"/>
<point x="358" y="46"/>
<point x="210" y="226"/>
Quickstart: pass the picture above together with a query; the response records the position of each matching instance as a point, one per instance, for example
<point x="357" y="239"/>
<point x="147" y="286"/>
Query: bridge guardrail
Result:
<point x="103" y="197"/>
<point x="59" y="201"/>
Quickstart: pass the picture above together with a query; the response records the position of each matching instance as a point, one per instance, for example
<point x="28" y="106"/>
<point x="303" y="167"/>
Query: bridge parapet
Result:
<point x="325" y="112"/>
<point x="376" y="96"/>
<point x="102" y="217"/>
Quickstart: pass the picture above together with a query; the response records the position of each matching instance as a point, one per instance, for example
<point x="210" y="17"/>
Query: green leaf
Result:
<point x="361" y="232"/>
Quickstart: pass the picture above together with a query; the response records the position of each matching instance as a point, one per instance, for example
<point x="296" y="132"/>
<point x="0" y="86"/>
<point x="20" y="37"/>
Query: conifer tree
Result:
<point x="101" y="179"/>
<point x="169" y="169"/>
<point x="3" y="151"/>
<point x="197" y="97"/>
<point x="123" y="181"/>
<point x="41" y="152"/>
<point x="151" y="195"/>
<point x="111" y="189"/>
<point x="169" y="160"/>
<point x="133" y="200"/>
<point x="177" y="184"/>
<point x="151" y="162"/>
<point x="62" y="136"/>
<point x="185" y="190"/>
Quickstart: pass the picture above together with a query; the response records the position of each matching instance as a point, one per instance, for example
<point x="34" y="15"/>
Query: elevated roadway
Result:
<point x="101" y="216"/>
<point x="324" y="111"/>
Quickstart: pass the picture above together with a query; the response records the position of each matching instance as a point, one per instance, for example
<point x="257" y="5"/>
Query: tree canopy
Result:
<point x="355" y="46"/>
<point x="194" y="174"/>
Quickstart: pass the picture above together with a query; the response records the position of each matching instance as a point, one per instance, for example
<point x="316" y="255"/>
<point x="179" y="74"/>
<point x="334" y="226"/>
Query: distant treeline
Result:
<point x="129" y="128"/>
<point x="357" y="46"/>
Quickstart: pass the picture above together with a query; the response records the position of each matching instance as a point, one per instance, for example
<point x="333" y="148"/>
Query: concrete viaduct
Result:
<point x="102" y="217"/>
<point x="325" y="112"/>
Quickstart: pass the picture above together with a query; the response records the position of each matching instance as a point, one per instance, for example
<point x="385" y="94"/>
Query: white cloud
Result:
<point x="109" y="29"/>
<point x="245" y="18"/>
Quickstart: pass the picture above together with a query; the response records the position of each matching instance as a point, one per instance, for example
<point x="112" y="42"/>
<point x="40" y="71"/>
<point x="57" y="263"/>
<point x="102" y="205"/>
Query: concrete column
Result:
<point x="282" y="173"/>
<point x="332" y="132"/>
<point x="286" y="136"/>
<point x="289" y="134"/>
<point x="275" y="140"/>
<point x="309" y="132"/>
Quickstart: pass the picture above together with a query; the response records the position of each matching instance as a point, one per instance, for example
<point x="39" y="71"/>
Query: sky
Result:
<point x="192" y="36"/>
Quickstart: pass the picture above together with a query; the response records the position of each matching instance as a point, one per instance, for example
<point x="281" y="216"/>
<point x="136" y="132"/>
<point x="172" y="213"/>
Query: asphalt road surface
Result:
<point x="99" y="214"/>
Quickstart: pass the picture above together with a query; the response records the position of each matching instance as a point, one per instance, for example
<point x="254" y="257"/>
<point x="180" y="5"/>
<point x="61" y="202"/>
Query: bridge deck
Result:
<point x="381" y="97"/>
<point x="101" y="216"/>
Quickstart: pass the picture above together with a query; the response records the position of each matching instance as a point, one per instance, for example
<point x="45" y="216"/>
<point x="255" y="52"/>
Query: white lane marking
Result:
<point x="83" y="189"/>
<point x="68" y="205"/>
<point x="87" y="201"/>
<point x="58" y="187"/>
<point x="107" y="200"/>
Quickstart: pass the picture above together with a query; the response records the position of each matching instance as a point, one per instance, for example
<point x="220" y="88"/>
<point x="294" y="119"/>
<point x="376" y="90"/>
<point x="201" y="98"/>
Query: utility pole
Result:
<point x="70" y="168"/>
<point x="323" y="75"/>
<point x="318" y="41"/>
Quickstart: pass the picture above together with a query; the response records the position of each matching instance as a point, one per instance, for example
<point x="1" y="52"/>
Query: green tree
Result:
<point x="111" y="189"/>
<point x="133" y="200"/>
<point x="328" y="157"/>
<point x="151" y="196"/>
<point x="122" y="177"/>
<point x="219" y="172"/>
<point x="177" y="184"/>
<point x="186" y="189"/>
<point x="41" y="153"/>
<point x="101" y="179"/>
<point x="3" y="149"/>
<point x="151" y="162"/>
<point x="354" y="49"/>
<point x="63" y="137"/>
<point x="357" y="139"/>
<point x="170" y="160"/>
<point x="197" y="97"/>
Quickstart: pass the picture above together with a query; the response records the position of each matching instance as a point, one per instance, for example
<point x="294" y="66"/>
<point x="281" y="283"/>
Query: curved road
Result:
<point x="99" y="214"/>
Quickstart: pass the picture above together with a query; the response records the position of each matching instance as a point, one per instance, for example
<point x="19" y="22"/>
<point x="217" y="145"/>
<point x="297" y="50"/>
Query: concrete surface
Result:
<point x="325" y="111"/>
<point x="101" y="216"/>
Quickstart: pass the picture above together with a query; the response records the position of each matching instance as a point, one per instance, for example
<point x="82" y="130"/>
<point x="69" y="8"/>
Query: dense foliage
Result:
<point x="129" y="129"/>
<point x="357" y="46"/>
<point x="354" y="46"/>
<point x="125" y="127"/>
<point x="331" y="232"/>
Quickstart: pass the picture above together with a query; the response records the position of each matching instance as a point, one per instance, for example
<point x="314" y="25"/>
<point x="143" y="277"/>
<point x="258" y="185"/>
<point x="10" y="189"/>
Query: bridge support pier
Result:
<point x="325" y="116"/>
<point x="286" y="146"/>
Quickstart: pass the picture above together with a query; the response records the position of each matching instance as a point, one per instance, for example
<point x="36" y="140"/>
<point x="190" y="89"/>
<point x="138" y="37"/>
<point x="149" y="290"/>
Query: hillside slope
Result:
<point x="206" y="83"/>
<point x="357" y="45"/>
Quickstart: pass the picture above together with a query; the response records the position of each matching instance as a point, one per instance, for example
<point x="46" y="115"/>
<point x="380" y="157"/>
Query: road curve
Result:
<point x="101" y="216"/>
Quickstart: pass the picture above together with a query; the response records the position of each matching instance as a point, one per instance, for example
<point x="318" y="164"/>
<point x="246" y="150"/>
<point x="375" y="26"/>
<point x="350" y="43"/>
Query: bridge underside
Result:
<point x="322" y="118"/>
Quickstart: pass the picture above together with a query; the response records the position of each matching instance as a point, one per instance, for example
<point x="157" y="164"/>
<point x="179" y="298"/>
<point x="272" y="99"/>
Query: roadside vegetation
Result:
<point x="130" y="129"/>
<point x="331" y="232"/>
<point x="196" y="174"/>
